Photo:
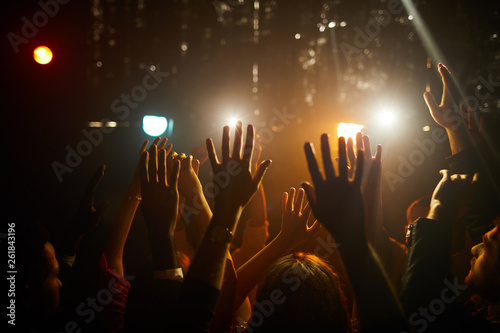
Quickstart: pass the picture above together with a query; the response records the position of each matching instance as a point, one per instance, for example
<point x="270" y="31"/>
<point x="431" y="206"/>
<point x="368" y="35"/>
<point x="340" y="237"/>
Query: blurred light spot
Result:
<point x="332" y="24"/>
<point x="95" y="124"/>
<point x="111" y="124"/>
<point x="348" y="130"/>
<point x="42" y="55"/>
<point x="152" y="68"/>
<point x="98" y="64"/>
<point x="410" y="17"/>
<point x="154" y="125"/>
<point x="387" y="118"/>
<point x="343" y="23"/>
<point x="426" y="128"/>
<point x="297" y="36"/>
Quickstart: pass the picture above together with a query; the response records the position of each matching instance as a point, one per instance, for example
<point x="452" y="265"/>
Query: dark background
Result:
<point x="46" y="108"/>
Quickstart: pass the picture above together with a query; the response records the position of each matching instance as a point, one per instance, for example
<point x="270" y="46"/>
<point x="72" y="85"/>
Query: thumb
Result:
<point x="445" y="173"/>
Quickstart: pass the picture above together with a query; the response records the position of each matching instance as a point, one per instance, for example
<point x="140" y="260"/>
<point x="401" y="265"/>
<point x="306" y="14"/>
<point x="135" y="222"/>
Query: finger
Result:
<point x="284" y="202"/>
<point x="445" y="173"/>
<point x="174" y="177"/>
<point x="143" y="169"/>
<point x="249" y="143"/>
<point x="153" y="164"/>
<point x="155" y="142"/>
<point x="162" y="143"/>
<point x="327" y="157"/>
<point x="307" y="209"/>
<point x="311" y="196"/>
<point x="238" y="133"/>
<point x="359" y="168"/>
<point x="367" y="147"/>
<point x="143" y="147"/>
<point x="196" y="166"/>
<point x="261" y="171"/>
<point x="212" y="156"/>
<point x="291" y="197"/>
<point x="162" y="167"/>
<point x="96" y="178"/>
<point x="92" y="184"/>
<point x="431" y="102"/>
<point x="378" y="154"/>
<point x="343" y="159"/>
<point x="168" y="148"/>
<point x="300" y="199"/>
<point x="449" y="85"/>
<point x="226" y="143"/>
<point x="312" y="164"/>
<point x="314" y="228"/>
<point x="350" y="152"/>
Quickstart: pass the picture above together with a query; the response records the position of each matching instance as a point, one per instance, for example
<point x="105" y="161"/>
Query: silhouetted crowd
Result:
<point x="196" y="279"/>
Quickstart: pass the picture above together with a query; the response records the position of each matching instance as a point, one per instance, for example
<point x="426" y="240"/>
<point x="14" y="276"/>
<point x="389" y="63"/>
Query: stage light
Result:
<point x="154" y="125"/>
<point x="42" y="55"/>
<point x="348" y="130"/>
<point x="387" y="117"/>
<point x="233" y="121"/>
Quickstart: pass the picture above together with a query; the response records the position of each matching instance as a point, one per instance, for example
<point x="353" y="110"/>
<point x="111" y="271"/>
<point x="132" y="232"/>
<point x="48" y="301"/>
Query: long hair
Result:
<point x="300" y="293"/>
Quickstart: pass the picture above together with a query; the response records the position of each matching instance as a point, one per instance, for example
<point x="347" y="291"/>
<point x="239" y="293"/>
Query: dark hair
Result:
<point x="311" y="299"/>
<point x="424" y="201"/>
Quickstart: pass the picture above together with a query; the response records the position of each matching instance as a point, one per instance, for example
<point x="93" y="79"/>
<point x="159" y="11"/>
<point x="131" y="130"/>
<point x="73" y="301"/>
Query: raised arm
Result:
<point x="160" y="199"/>
<point x="337" y="203"/>
<point x="196" y="213"/>
<point x="447" y="113"/>
<point x="203" y="281"/>
<point x="294" y="231"/>
<point x="208" y="263"/>
<point x="120" y="225"/>
<point x="86" y="218"/>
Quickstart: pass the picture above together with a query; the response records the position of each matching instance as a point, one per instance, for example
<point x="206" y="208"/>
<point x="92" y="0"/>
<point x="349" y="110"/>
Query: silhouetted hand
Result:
<point x="442" y="113"/>
<point x="160" y="197"/>
<point x="238" y="185"/>
<point x="336" y="201"/>
<point x="294" y="228"/>
<point x="135" y="186"/>
<point x="87" y="216"/>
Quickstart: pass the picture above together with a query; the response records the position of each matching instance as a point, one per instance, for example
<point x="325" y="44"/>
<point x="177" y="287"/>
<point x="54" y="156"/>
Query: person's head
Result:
<point x="300" y="293"/>
<point x="484" y="275"/>
<point x="39" y="271"/>
<point x="418" y="208"/>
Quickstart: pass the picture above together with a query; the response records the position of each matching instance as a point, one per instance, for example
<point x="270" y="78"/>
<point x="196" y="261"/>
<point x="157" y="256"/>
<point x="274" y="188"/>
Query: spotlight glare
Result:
<point x="387" y="118"/>
<point x="42" y="55"/>
<point x="233" y="121"/>
<point x="154" y="125"/>
<point x="348" y="130"/>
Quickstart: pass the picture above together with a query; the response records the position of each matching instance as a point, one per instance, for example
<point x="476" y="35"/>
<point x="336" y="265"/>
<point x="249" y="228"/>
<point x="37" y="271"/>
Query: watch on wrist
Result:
<point x="220" y="234"/>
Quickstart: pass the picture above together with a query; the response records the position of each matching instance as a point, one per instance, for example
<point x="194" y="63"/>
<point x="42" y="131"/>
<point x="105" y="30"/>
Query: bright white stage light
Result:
<point x="154" y="125"/>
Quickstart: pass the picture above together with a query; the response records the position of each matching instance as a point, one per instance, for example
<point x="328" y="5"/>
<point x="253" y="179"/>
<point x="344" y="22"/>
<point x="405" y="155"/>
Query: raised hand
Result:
<point x="294" y="217"/>
<point x="447" y="114"/>
<point x="160" y="197"/>
<point x="336" y="201"/>
<point x="240" y="184"/>
<point x="189" y="183"/>
<point x="87" y="216"/>
<point x="370" y="186"/>
<point x="442" y="113"/>
<point x="450" y="197"/>
<point x="134" y="189"/>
